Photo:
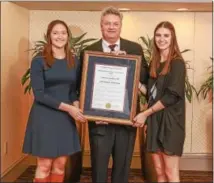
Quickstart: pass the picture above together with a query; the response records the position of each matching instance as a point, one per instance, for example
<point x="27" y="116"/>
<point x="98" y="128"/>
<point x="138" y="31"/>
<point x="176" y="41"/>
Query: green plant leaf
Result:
<point x="26" y="73"/>
<point x="31" y="49"/>
<point x="24" y="79"/>
<point x="27" y="88"/>
<point x="207" y="85"/>
<point x="144" y="41"/>
<point x="75" y="40"/>
<point x="40" y="43"/>
<point x="85" y="41"/>
<point x="150" y="43"/>
<point x="186" y="50"/>
<point x="142" y="99"/>
<point x="188" y="90"/>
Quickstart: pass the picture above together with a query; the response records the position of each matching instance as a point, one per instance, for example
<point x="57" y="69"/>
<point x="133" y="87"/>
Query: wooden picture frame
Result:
<point x="109" y="87"/>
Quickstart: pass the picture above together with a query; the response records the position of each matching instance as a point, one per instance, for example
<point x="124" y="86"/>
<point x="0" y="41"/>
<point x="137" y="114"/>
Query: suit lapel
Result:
<point x="99" y="46"/>
<point x="122" y="44"/>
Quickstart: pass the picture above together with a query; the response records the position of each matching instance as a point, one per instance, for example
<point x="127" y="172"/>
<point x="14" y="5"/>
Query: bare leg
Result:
<point x="58" y="169"/>
<point x="43" y="169"/>
<point x="171" y="167"/>
<point x="159" y="166"/>
<point x="59" y="165"/>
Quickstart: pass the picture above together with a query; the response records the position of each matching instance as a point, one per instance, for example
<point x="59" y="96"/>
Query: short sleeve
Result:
<point x="175" y="84"/>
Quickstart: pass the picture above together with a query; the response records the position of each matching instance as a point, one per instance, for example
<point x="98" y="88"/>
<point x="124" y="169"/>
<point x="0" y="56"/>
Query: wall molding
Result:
<point x="197" y="162"/>
<point x="189" y="161"/>
<point x="17" y="168"/>
<point x="13" y="165"/>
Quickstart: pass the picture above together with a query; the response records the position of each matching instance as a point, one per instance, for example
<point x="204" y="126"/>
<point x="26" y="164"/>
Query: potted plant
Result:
<point x="206" y="89"/>
<point x="147" y="44"/>
<point x="77" y="44"/>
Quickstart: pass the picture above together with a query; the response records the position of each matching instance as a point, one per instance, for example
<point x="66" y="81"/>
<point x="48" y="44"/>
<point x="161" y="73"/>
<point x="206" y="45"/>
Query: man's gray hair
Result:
<point x="111" y="11"/>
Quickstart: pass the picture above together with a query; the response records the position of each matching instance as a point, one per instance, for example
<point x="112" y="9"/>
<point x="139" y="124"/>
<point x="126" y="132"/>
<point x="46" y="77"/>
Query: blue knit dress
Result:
<point x="51" y="132"/>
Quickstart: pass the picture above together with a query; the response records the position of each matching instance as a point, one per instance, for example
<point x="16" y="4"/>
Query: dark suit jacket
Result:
<point x="130" y="48"/>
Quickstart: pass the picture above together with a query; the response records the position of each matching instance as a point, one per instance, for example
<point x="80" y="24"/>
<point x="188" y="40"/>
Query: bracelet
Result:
<point x="152" y="110"/>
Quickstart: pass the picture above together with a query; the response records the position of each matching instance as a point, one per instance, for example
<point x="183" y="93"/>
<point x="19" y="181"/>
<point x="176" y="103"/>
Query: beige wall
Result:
<point x="193" y="32"/>
<point x="202" y="110"/>
<point x="14" y="62"/>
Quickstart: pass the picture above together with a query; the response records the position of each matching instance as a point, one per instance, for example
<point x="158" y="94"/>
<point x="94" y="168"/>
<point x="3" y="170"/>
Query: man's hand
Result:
<point x="119" y="52"/>
<point x="101" y="122"/>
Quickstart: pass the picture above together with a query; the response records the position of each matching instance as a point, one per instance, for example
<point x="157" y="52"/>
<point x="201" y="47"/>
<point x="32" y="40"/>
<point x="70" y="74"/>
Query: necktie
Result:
<point x="112" y="46"/>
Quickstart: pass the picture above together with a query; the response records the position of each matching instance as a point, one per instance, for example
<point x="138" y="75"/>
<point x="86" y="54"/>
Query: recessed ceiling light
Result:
<point x="124" y="9"/>
<point x="182" y="9"/>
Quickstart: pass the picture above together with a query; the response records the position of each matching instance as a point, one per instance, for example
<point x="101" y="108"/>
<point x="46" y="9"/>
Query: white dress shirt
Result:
<point x="106" y="48"/>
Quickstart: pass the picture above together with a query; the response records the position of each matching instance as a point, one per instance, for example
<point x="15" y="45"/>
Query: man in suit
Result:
<point x="108" y="139"/>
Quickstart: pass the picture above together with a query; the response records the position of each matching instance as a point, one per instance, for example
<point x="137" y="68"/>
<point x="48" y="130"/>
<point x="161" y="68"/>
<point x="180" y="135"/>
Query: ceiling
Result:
<point x="99" y="5"/>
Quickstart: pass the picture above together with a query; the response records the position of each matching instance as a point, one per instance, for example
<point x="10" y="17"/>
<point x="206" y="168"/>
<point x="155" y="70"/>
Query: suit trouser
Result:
<point x="117" y="140"/>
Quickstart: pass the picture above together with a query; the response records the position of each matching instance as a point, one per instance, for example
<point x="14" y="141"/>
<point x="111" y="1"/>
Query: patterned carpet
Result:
<point x="134" y="177"/>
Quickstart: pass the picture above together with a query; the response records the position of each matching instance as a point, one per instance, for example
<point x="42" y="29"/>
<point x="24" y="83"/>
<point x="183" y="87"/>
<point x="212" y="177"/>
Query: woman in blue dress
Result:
<point x="51" y="133"/>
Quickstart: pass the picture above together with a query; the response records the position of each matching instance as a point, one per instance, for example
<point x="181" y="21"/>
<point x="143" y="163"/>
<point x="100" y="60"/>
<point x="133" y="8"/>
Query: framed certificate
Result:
<point x="109" y="87"/>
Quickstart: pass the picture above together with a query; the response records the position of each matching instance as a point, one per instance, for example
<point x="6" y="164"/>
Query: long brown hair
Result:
<point x="174" y="51"/>
<point x="48" y="52"/>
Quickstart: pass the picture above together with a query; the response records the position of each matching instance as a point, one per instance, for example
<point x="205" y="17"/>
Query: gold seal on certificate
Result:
<point x="108" y="105"/>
